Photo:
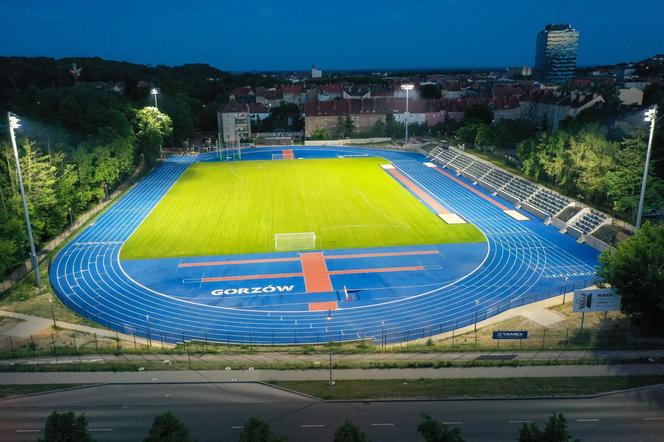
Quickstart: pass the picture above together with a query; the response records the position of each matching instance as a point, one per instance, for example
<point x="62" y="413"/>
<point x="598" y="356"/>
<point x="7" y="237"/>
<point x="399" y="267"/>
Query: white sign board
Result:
<point x="596" y="300"/>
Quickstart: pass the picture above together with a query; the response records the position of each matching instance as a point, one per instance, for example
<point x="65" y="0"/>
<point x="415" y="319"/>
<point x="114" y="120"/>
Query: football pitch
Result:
<point x="238" y="207"/>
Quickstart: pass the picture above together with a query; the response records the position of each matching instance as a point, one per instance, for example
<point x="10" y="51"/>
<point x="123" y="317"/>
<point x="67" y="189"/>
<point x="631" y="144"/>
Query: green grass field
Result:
<point x="235" y="208"/>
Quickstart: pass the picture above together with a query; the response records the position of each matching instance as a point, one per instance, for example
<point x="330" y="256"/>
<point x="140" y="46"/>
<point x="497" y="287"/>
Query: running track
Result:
<point x="526" y="261"/>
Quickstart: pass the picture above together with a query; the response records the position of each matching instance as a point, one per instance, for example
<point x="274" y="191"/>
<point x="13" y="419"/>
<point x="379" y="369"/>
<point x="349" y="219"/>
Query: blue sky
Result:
<point x="287" y="34"/>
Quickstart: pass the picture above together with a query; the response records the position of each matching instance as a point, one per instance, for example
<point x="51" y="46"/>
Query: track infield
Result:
<point x="237" y="208"/>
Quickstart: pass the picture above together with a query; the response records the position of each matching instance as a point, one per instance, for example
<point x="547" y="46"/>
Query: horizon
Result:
<point x="258" y="36"/>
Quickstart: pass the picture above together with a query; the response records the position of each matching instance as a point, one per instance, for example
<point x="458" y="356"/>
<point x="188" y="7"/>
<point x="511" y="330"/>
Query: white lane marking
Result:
<point x="28" y="431"/>
<point x="653" y="418"/>
<point x="520" y="422"/>
<point x="387" y="424"/>
<point x="313" y="426"/>
<point x="237" y="427"/>
<point x="101" y="429"/>
<point x="587" y="420"/>
<point x="453" y="423"/>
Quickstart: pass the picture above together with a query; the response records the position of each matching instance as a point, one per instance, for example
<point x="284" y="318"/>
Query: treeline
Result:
<point x="79" y="138"/>
<point x="598" y="157"/>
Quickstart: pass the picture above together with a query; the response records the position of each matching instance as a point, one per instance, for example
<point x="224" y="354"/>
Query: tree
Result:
<point x="320" y="134"/>
<point x="554" y="431"/>
<point x="152" y="127"/>
<point x="436" y="431"/>
<point x="349" y="432"/>
<point x="636" y="269"/>
<point x="430" y="91"/>
<point x="168" y="428"/>
<point x="66" y="427"/>
<point x="257" y="430"/>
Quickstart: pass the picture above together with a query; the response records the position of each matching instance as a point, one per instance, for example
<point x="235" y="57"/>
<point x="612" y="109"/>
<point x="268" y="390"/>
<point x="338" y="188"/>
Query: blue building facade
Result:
<point x="555" y="56"/>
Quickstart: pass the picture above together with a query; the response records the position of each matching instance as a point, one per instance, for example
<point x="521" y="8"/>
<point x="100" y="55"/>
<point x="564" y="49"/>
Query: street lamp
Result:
<point x="155" y="92"/>
<point x="50" y="301"/>
<point x="329" y="342"/>
<point x="14" y="123"/>
<point x="147" y="321"/>
<point x="651" y="116"/>
<point x="407" y="87"/>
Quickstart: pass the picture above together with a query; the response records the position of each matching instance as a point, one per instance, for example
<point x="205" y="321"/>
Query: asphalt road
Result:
<point x="217" y="412"/>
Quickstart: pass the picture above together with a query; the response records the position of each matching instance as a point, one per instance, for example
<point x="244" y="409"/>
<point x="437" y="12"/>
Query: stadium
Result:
<point x="304" y="245"/>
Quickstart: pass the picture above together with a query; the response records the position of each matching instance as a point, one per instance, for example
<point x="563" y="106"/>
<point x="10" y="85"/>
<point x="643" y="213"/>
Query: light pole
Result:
<point x="407" y="87"/>
<point x="477" y="304"/>
<point x="155" y="92"/>
<point x="651" y="116"/>
<point x="14" y="123"/>
<point x="565" y="290"/>
<point x="147" y="321"/>
<point x="329" y="342"/>
<point x="50" y="301"/>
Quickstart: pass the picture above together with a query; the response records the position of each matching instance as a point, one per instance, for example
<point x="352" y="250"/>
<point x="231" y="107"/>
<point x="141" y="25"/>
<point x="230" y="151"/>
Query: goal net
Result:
<point x="278" y="156"/>
<point x="294" y="241"/>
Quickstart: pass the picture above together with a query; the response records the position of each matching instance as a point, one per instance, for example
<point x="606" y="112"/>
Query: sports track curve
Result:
<point x="88" y="277"/>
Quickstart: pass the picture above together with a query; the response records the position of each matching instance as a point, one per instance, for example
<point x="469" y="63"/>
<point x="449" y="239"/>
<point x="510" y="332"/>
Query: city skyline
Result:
<point x="261" y="36"/>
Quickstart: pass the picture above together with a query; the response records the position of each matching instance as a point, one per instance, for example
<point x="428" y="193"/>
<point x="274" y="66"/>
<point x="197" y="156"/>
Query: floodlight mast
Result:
<point x="155" y="92"/>
<point x="651" y="116"/>
<point x="15" y="123"/>
<point x="407" y="88"/>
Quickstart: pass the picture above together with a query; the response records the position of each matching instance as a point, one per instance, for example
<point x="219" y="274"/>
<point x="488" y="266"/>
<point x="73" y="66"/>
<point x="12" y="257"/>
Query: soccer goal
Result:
<point x="284" y="242"/>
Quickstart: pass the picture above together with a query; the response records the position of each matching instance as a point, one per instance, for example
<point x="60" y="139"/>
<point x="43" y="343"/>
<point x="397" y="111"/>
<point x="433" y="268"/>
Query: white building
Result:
<point x="233" y="123"/>
<point x="315" y="72"/>
<point x="630" y="96"/>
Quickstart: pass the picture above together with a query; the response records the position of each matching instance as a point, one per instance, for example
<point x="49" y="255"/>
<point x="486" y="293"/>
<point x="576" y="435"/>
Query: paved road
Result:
<point x="109" y="377"/>
<point x="216" y="411"/>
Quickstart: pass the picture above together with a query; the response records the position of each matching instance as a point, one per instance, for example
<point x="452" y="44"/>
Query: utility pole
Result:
<point x="14" y="123"/>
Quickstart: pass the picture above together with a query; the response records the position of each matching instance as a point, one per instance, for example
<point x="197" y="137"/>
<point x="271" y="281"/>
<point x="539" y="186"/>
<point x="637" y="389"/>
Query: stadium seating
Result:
<point x="497" y="178"/>
<point x="460" y="162"/>
<point x="477" y="170"/>
<point x="520" y="189"/>
<point x="548" y="202"/>
<point x="588" y="221"/>
<point x="445" y="156"/>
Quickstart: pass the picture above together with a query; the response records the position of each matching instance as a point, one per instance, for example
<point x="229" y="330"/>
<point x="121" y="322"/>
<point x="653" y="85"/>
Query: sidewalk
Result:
<point x="322" y="375"/>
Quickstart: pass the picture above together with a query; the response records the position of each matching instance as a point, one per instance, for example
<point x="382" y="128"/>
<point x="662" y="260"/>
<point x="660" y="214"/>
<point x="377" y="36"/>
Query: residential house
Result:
<point x="233" y="123"/>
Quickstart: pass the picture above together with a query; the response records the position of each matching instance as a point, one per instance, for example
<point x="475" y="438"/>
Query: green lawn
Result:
<point x="448" y="388"/>
<point x="235" y="208"/>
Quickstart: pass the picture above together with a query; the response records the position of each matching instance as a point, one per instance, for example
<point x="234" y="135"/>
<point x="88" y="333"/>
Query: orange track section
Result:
<point x="314" y="270"/>
<point x="472" y="189"/>
<point x="317" y="306"/>
<point x="435" y="205"/>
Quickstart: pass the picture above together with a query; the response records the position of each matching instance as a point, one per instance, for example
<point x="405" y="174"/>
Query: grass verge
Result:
<point x="468" y="388"/>
<point x="17" y="390"/>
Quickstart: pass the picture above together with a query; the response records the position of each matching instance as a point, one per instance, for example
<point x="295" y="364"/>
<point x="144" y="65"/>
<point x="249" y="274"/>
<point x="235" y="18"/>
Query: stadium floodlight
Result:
<point x="651" y="117"/>
<point x="407" y="88"/>
<point x="155" y="92"/>
<point x="15" y="123"/>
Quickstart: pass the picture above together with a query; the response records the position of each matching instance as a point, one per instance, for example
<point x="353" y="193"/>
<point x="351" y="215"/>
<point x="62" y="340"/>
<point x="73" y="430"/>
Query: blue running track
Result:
<point x="441" y="287"/>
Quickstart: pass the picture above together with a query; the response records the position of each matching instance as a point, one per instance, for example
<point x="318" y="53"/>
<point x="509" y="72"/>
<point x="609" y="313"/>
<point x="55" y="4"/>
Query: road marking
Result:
<point x="520" y="422"/>
<point x="653" y="418"/>
<point x="237" y="427"/>
<point x="28" y="431"/>
<point x="387" y="424"/>
<point x="101" y="429"/>
<point x="313" y="426"/>
<point x="452" y="423"/>
<point x="587" y="420"/>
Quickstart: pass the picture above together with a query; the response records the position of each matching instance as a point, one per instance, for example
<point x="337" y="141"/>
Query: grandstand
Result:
<point x="541" y="202"/>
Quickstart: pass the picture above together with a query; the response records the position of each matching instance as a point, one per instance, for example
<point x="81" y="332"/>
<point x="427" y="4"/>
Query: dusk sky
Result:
<point x="283" y="35"/>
